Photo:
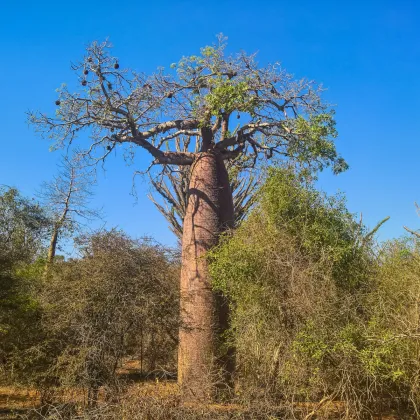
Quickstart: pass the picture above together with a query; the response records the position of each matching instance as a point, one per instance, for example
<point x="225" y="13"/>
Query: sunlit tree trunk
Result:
<point x="55" y="232"/>
<point x="53" y="245"/>
<point x="204" y="313"/>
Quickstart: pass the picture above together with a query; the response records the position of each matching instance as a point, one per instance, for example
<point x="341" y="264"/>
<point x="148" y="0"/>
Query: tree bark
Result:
<point x="204" y="313"/>
<point x="53" y="245"/>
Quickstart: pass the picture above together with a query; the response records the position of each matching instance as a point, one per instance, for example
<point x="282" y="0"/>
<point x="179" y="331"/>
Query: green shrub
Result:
<point x="315" y="311"/>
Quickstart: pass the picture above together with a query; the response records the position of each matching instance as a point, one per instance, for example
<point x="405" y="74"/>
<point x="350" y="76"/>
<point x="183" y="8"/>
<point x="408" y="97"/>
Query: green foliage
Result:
<point x="316" y="136"/>
<point x="318" y="309"/>
<point x="23" y="226"/>
<point x="230" y="96"/>
<point x="315" y="312"/>
<point x="321" y="226"/>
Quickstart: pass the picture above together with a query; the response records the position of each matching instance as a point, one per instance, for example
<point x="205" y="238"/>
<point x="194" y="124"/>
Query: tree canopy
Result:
<point x="205" y="101"/>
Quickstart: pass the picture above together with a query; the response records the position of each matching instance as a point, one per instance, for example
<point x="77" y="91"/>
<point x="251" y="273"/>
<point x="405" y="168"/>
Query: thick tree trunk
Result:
<point x="204" y="313"/>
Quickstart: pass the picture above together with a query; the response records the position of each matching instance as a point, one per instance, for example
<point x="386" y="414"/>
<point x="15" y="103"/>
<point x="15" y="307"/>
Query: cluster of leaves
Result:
<point x="316" y="134"/>
<point x="23" y="224"/>
<point x="217" y="90"/>
<point x="230" y="97"/>
<point x="373" y="357"/>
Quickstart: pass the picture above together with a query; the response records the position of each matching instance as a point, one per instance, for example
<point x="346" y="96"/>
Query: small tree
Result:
<point x="199" y="100"/>
<point x="67" y="197"/>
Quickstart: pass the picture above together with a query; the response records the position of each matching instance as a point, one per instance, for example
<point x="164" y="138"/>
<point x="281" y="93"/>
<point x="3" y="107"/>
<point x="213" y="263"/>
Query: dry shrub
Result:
<point x="95" y="311"/>
<point x="311" y="304"/>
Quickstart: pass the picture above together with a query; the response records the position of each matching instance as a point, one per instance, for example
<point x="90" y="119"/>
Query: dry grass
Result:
<point x="157" y="399"/>
<point x="16" y="401"/>
<point x="161" y="400"/>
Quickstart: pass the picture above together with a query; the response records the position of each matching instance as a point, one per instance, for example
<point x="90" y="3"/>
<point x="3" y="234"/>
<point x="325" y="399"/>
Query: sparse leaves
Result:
<point x="281" y="116"/>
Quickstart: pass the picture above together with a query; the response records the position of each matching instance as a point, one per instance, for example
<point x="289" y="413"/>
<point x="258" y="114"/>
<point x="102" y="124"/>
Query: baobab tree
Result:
<point x="222" y="108"/>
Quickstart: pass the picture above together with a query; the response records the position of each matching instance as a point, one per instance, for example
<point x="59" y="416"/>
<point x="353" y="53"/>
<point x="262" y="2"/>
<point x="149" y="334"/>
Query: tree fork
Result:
<point x="204" y="313"/>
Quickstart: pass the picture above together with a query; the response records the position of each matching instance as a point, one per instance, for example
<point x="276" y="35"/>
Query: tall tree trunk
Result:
<point x="53" y="245"/>
<point x="51" y="249"/>
<point x="54" y="236"/>
<point x="204" y="313"/>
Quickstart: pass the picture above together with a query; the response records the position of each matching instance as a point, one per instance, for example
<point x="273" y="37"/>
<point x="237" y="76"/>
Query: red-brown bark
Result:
<point x="204" y="313"/>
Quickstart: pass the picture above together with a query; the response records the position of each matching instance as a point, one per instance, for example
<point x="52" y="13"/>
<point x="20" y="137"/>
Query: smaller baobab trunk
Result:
<point x="204" y="314"/>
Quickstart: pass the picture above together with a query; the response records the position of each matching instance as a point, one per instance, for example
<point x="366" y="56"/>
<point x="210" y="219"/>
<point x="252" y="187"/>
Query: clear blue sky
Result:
<point x="367" y="53"/>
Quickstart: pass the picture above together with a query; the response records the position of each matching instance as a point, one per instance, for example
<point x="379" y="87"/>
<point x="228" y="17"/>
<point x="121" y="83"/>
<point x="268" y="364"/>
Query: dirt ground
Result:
<point x="16" y="402"/>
